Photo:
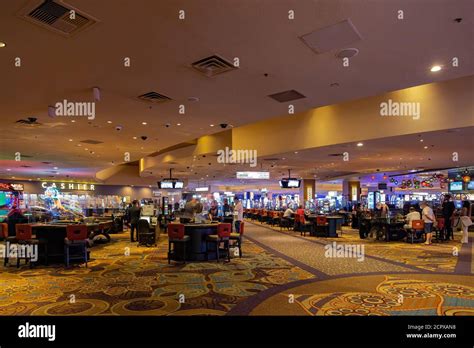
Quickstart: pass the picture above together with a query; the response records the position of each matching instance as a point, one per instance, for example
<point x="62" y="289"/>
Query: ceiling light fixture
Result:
<point x="2" y="44"/>
<point x="360" y="144"/>
<point x="178" y="124"/>
<point x="425" y="147"/>
<point x="109" y="121"/>
<point x="70" y="140"/>
<point x="435" y="68"/>
<point x="144" y="123"/>
<point x="135" y="138"/>
<point x="211" y="125"/>
<point x="73" y="121"/>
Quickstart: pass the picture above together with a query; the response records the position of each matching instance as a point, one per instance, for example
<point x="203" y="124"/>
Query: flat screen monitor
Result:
<point x="455" y="186"/>
<point x="170" y="184"/>
<point x="290" y="183"/>
<point x="470" y="185"/>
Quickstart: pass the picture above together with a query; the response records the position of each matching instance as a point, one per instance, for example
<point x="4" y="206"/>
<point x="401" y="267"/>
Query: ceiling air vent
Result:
<point x="153" y="97"/>
<point x="56" y="16"/>
<point x="92" y="142"/>
<point x="287" y="96"/>
<point x="213" y="65"/>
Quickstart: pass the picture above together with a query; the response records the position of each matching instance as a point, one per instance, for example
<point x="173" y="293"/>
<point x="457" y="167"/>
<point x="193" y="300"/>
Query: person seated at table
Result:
<point x="412" y="215"/>
<point x="213" y="211"/>
<point x="226" y="208"/>
<point x="15" y="213"/>
<point x="288" y="213"/>
<point x="300" y="210"/>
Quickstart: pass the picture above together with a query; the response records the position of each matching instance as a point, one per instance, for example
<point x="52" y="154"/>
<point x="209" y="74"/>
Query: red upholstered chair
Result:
<point x="322" y="226"/>
<point x="23" y="237"/>
<point x="3" y="231"/>
<point x="237" y="238"/>
<point x="439" y="229"/>
<point x="76" y="240"/>
<point x="417" y="229"/>
<point x="305" y="226"/>
<point x="222" y="237"/>
<point x="176" y="236"/>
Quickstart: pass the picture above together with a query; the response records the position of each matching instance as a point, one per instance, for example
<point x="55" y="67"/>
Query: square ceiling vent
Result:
<point x="213" y="65"/>
<point x="332" y="37"/>
<point x="287" y="96"/>
<point x="56" y="16"/>
<point x="153" y="97"/>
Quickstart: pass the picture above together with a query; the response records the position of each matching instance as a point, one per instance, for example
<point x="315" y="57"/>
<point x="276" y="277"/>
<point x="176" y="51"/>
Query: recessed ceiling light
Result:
<point x="86" y="149"/>
<point x="211" y="125"/>
<point x="360" y="144"/>
<point x="109" y="121"/>
<point x="296" y="151"/>
<point x="79" y="145"/>
<point x="2" y="44"/>
<point x="70" y="140"/>
<point x="144" y="123"/>
<point x="8" y="169"/>
<point x="178" y="124"/>
<point x="425" y="147"/>
<point x="73" y="121"/>
<point x="421" y="140"/>
<point x="135" y="138"/>
<point x="55" y="168"/>
<point x="435" y="68"/>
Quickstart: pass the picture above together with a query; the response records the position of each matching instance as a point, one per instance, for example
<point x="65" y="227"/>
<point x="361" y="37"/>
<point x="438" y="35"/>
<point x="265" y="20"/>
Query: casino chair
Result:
<point x="237" y="238"/>
<point x="416" y="231"/>
<point x="439" y="230"/>
<point x="3" y="231"/>
<point x="24" y="237"/>
<point x="222" y="236"/>
<point x="322" y="226"/>
<point x="146" y="236"/>
<point x="77" y="240"/>
<point x="176" y="236"/>
<point x="305" y="226"/>
<point x="286" y="223"/>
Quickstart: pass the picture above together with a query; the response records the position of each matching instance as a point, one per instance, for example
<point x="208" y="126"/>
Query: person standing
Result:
<point x="239" y="209"/>
<point x="428" y="217"/>
<point x="465" y="221"/>
<point x="134" y="212"/>
<point x="448" y="210"/>
<point x="226" y="208"/>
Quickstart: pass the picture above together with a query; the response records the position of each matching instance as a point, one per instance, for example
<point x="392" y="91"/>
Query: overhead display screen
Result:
<point x="253" y="175"/>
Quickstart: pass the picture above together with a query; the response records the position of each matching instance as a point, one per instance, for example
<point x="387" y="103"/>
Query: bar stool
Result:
<point x="237" y="237"/>
<point x="440" y="230"/>
<point x="416" y="226"/>
<point x="76" y="237"/>
<point x="222" y="236"/>
<point x="23" y="237"/>
<point x="322" y="226"/>
<point x="176" y="236"/>
<point x="305" y="226"/>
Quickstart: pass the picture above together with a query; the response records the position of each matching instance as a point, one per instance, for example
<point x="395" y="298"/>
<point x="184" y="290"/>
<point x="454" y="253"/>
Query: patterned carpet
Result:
<point x="428" y="279"/>
<point x="280" y="273"/>
<point x="142" y="283"/>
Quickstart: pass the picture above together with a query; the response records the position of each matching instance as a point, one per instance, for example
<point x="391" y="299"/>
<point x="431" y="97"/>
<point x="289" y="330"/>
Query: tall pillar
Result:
<point x="351" y="190"/>
<point x="307" y="189"/>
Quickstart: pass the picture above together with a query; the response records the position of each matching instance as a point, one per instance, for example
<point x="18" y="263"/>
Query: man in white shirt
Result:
<point x="412" y="215"/>
<point x="288" y="212"/>
<point x="429" y="218"/>
<point x="239" y="209"/>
